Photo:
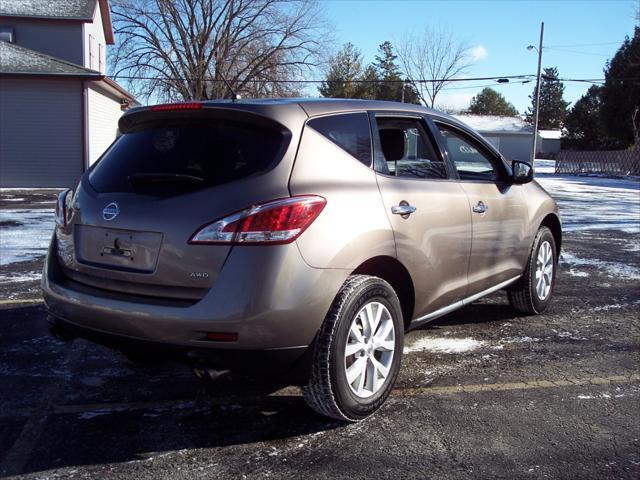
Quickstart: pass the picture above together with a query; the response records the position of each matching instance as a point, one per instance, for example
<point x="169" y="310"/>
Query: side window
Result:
<point x="350" y="131"/>
<point x="408" y="149"/>
<point x="470" y="162"/>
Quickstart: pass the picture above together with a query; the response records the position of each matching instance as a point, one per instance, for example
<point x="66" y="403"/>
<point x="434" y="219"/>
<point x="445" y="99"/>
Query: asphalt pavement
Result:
<point x="483" y="393"/>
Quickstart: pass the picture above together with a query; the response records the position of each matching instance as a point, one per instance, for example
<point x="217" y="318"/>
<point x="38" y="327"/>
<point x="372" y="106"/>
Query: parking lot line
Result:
<point x="17" y="457"/>
<point x="21" y="301"/>
<point x="528" y="385"/>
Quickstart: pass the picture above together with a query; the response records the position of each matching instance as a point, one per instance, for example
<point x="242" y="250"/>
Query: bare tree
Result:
<point x="432" y="59"/>
<point x="183" y="49"/>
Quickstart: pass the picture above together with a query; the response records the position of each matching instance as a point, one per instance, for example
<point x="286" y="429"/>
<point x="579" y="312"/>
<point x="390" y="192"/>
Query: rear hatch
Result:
<point x="167" y="175"/>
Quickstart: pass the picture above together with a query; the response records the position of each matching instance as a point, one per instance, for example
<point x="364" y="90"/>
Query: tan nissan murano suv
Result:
<point x="293" y="235"/>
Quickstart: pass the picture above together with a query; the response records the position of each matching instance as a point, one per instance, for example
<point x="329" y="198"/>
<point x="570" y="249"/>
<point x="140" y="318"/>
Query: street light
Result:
<point x="535" y="113"/>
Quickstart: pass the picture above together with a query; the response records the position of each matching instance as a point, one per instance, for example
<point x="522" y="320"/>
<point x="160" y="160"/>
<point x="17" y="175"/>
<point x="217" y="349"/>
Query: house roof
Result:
<point x="69" y="9"/>
<point x="488" y="124"/>
<point x="550" y="134"/>
<point x="17" y="60"/>
<point x="82" y="10"/>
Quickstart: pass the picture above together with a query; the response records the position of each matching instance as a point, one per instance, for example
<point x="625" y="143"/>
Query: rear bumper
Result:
<point x="272" y="300"/>
<point x="275" y="361"/>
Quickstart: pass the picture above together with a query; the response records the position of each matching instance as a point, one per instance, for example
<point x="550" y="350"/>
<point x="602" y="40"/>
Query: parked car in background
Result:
<point x="302" y="236"/>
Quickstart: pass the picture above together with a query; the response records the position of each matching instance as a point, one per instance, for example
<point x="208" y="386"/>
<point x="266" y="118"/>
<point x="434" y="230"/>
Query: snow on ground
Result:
<point x="20" y="277"/>
<point x="593" y="203"/>
<point x="612" y="269"/>
<point x="24" y="234"/>
<point x="444" y="345"/>
<point x="545" y="166"/>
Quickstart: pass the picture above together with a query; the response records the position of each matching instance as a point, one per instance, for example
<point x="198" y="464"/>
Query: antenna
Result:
<point x="234" y="96"/>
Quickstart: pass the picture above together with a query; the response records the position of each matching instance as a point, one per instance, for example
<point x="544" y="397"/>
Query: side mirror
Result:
<point x="522" y="172"/>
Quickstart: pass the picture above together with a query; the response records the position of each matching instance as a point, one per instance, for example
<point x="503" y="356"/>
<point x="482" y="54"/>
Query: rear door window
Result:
<point x="174" y="158"/>
<point x="408" y="149"/>
<point x="349" y="131"/>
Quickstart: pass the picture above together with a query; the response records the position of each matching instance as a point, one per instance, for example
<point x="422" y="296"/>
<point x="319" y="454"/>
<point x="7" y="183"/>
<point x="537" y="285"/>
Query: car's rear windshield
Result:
<point x="174" y="158"/>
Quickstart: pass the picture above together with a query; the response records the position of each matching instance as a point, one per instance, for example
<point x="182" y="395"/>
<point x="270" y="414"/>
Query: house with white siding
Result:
<point x="512" y="136"/>
<point x="58" y="109"/>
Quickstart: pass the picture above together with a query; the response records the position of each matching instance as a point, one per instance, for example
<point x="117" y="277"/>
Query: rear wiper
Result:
<point x="146" y="178"/>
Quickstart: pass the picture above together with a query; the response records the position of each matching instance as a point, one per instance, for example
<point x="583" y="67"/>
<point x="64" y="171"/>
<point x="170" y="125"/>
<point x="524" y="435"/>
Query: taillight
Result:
<point x="164" y="107"/>
<point x="63" y="207"/>
<point x="276" y="222"/>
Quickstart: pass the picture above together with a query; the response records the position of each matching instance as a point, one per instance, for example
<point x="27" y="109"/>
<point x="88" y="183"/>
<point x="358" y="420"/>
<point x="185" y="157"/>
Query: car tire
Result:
<point x="528" y="295"/>
<point x="362" y="326"/>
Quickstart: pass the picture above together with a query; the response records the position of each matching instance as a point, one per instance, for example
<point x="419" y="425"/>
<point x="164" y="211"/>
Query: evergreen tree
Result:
<point x="621" y="94"/>
<point x="387" y="70"/>
<point x="584" y="129"/>
<point x="344" y="68"/>
<point x="368" y="88"/>
<point x="553" y="108"/>
<point x="490" y="102"/>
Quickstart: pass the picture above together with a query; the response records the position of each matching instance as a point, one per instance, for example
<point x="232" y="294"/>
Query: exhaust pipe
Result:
<point x="208" y="374"/>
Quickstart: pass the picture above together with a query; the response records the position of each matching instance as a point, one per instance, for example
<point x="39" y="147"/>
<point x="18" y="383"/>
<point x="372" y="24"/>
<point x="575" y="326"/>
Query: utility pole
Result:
<point x="537" y="110"/>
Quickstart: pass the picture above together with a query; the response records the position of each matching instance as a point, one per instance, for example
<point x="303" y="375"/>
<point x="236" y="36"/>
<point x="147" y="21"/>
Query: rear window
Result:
<point x="350" y="131"/>
<point x="171" y="159"/>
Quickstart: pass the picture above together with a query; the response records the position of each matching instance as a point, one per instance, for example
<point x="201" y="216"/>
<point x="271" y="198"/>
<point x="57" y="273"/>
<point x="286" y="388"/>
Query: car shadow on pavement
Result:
<point x="76" y="403"/>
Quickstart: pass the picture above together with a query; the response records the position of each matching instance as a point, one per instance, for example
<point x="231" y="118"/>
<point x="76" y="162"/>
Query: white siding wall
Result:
<point x="95" y="52"/>
<point x="495" y="141"/>
<point x="516" y="147"/>
<point x="40" y="133"/>
<point x="548" y="145"/>
<point x="104" y="113"/>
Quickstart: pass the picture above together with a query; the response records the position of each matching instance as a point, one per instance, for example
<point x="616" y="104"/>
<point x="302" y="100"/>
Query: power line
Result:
<point x="582" y="45"/>
<point x="556" y="49"/>
<point x="138" y="77"/>
<point x="521" y="79"/>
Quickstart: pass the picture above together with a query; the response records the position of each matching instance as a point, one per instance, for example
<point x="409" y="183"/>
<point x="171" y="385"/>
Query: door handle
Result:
<point x="480" y="207"/>
<point x="403" y="209"/>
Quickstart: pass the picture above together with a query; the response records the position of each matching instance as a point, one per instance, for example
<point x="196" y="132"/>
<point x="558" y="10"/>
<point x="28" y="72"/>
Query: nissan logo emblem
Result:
<point x="111" y="211"/>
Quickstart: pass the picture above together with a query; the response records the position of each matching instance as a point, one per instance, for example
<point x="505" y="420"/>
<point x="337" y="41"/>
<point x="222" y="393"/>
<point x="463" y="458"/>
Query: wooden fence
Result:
<point x="611" y="162"/>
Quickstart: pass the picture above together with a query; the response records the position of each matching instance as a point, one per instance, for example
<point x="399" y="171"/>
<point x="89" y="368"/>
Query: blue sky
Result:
<point x="580" y="36"/>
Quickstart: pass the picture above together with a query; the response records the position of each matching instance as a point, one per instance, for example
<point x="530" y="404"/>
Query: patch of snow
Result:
<point x="29" y="239"/>
<point x="550" y="134"/>
<point x="612" y="269"/>
<point x="595" y="203"/>
<point x="600" y="395"/>
<point x="615" y="306"/>
<point x="544" y="166"/>
<point x="632" y="246"/>
<point x="571" y="336"/>
<point x="20" y="277"/>
<point x="13" y="199"/>
<point x="577" y="273"/>
<point x="520" y="340"/>
<point x="95" y="413"/>
<point x="444" y="345"/>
